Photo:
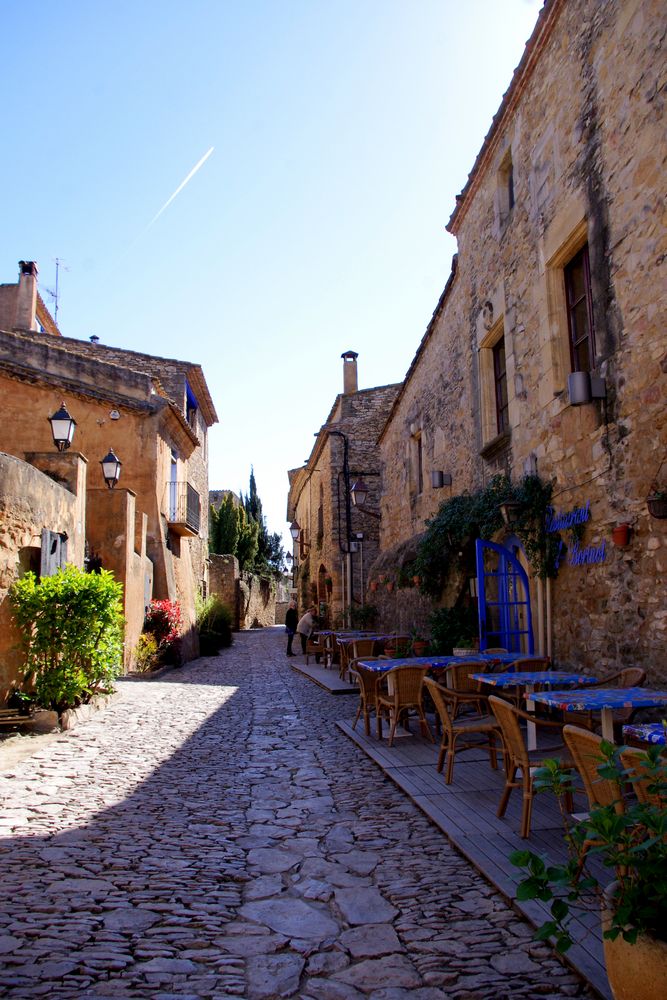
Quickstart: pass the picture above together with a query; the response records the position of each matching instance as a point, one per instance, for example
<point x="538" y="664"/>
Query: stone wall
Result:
<point x="30" y="501"/>
<point x="257" y="603"/>
<point x="580" y="134"/>
<point x="224" y="579"/>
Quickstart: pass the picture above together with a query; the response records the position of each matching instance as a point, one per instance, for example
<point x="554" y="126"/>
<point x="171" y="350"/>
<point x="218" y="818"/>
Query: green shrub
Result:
<point x="214" y="621"/>
<point x="72" y="633"/>
<point x="452" y="627"/>
<point x="146" y="653"/>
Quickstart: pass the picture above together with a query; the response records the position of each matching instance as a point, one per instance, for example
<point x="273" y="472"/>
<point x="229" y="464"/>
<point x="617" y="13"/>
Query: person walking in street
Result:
<point x="306" y="626"/>
<point x="291" y="619"/>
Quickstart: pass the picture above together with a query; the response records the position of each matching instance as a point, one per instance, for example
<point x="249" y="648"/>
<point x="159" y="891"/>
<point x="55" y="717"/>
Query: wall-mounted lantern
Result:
<point x="510" y="511"/>
<point x="111" y="468"/>
<point x="359" y="493"/>
<point x="62" y="428"/>
<point x="295" y="530"/>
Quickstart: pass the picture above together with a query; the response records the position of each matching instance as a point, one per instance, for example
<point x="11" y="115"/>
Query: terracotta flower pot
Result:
<point x="389" y="586"/>
<point x="373" y="586"/>
<point x="620" y="535"/>
<point x="416" y="580"/>
<point x="636" y="971"/>
<point x="419" y="647"/>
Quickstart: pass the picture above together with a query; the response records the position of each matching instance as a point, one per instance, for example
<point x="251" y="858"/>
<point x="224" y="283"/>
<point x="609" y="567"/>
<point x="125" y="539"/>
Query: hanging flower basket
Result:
<point x="657" y="505"/>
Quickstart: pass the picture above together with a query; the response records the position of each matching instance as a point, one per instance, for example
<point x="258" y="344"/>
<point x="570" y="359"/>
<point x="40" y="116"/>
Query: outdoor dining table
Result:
<point x="654" y="733"/>
<point x="529" y="680"/>
<point x="603" y="700"/>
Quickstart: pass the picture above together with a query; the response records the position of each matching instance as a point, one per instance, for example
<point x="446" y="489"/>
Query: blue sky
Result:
<point x="342" y="132"/>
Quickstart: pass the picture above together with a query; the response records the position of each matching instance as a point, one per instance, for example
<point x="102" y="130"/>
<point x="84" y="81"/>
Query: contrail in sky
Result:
<point x="180" y="187"/>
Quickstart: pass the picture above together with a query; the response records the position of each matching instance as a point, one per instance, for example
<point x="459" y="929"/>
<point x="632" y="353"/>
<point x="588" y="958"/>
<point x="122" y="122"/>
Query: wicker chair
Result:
<point x="313" y="648"/>
<point x="368" y="683"/>
<point x="634" y="760"/>
<point x="401" y="691"/>
<point x="585" y="749"/>
<point x="528" y="664"/>
<point x="349" y="652"/>
<point x="464" y="690"/>
<point x="628" y="677"/>
<point x="454" y="732"/>
<point x="495" y="649"/>
<point x="519" y="758"/>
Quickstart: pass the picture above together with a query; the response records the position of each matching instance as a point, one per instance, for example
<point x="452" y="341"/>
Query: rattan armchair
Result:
<point x="585" y="749"/>
<point x="464" y="690"/>
<point x="368" y="681"/>
<point x="645" y="788"/>
<point x="363" y="649"/>
<point x="401" y="692"/>
<point x="460" y="731"/>
<point x="519" y="758"/>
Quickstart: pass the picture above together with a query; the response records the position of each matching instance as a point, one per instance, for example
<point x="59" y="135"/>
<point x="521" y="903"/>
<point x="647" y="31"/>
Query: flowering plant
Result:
<point x="163" y="620"/>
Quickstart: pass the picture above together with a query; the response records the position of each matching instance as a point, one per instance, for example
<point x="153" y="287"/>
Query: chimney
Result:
<point x="350" y="385"/>
<point x="26" y="299"/>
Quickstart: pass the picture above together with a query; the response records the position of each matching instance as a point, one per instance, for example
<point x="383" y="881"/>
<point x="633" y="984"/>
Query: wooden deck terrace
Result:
<point x="466" y="813"/>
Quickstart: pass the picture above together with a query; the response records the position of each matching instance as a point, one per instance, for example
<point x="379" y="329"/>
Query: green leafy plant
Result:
<point x="146" y="653"/>
<point x="363" y="616"/>
<point x="631" y="843"/>
<point x="477" y="515"/>
<point x="214" y="621"/>
<point x="72" y="634"/>
<point x="452" y="627"/>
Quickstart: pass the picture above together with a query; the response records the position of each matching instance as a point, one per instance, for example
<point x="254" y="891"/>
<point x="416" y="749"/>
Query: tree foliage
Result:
<point x="240" y="530"/>
<point x="72" y="633"/>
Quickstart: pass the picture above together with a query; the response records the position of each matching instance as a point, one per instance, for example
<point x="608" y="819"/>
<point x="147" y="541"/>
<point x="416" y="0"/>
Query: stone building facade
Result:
<point x="338" y="540"/>
<point x="152" y="529"/>
<point x="561" y="251"/>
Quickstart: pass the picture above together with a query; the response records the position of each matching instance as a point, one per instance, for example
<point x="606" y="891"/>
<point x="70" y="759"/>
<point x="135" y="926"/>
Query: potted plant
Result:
<point x="22" y="701"/>
<point x="632" y="845"/>
<point x="657" y="503"/>
<point x="419" y="644"/>
<point x="328" y="582"/>
<point x="373" y="586"/>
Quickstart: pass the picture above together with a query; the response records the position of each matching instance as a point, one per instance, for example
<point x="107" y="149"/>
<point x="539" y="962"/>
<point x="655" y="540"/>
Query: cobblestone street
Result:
<point x="213" y="834"/>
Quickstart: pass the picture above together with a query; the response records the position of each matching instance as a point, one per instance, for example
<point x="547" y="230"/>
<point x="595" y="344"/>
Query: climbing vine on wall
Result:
<point x="477" y="515"/>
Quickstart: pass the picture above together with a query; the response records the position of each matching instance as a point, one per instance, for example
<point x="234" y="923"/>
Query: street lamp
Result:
<point x="295" y="530"/>
<point x="111" y="468"/>
<point x="510" y="511"/>
<point x="62" y="428"/>
<point x="359" y="492"/>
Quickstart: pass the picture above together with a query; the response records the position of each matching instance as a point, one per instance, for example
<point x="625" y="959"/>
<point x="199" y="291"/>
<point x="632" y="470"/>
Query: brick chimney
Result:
<point x="26" y="298"/>
<point x="350" y="384"/>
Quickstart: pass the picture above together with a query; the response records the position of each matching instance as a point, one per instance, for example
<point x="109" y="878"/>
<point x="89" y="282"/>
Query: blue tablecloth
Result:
<point x="650" y="732"/>
<point x="591" y="701"/>
<point x="514" y="679"/>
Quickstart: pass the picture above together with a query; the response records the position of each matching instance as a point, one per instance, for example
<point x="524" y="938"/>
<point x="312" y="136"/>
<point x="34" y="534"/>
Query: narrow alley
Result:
<point x="213" y="834"/>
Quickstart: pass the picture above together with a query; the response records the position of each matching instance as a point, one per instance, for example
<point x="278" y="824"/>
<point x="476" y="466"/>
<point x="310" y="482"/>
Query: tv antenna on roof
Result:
<point x="55" y="295"/>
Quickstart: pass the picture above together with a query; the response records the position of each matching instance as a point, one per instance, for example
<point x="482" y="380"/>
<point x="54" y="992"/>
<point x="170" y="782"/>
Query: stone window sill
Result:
<point x="496" y="445"/>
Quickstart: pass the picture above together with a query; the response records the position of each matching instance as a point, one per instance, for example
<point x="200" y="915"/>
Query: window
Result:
<point x="504" y="199"/>
<point x="500" y="383"/>
<point x="580" y="312"/>
<point x="191" y="406"/>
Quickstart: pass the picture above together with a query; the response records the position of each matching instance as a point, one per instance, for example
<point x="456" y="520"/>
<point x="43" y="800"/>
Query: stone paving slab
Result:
<point x="213" y="835"/>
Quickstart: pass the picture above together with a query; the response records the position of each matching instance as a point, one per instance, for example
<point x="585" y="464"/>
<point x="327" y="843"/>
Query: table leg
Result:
<point x="608" y="724"/>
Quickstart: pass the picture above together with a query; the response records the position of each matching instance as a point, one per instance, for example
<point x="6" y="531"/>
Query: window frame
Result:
<point x="501" y="393"/>
<point x="571" y="304"/>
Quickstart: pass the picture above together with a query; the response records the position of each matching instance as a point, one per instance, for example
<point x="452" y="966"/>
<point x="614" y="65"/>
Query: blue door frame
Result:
<point x="503" y="600"/>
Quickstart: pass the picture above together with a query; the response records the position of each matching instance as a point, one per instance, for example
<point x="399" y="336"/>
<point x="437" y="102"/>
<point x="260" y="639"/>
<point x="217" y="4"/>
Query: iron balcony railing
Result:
<point x="183" y="506"/>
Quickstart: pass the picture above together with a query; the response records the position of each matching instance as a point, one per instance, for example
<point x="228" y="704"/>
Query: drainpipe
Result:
<point x="549" y="643"/>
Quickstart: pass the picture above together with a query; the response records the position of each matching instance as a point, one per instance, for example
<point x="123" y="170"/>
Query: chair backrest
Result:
<point x="495" y="649"/>
<point x="587" y="755"/>
<point x="363" y="648"/>
<point x="528" y="664"/>
<point x="628" y="677"/>
<point x="635" y="760"/>
<point x="440" y="697"/>
<point x="459" y="675"/>
<point x="508" y="720"/>
<point x="408" y="684"/>
<point x="367" y="679"/>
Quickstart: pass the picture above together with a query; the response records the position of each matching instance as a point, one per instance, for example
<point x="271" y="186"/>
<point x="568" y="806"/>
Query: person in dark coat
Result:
<point x="291" y="619"/>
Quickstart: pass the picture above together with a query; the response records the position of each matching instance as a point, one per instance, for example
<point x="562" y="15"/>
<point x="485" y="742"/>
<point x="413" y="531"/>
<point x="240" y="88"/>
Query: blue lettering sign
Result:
<point x="579" y="556"/>
<point x="560" y="522"/>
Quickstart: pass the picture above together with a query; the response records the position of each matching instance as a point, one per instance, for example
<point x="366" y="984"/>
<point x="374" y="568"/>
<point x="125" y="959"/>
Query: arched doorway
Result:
<point x="503" y="597"/>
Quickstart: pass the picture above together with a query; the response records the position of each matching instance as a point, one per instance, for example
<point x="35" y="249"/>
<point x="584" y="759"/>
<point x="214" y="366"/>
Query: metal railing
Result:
<point x="183" y="505"/>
